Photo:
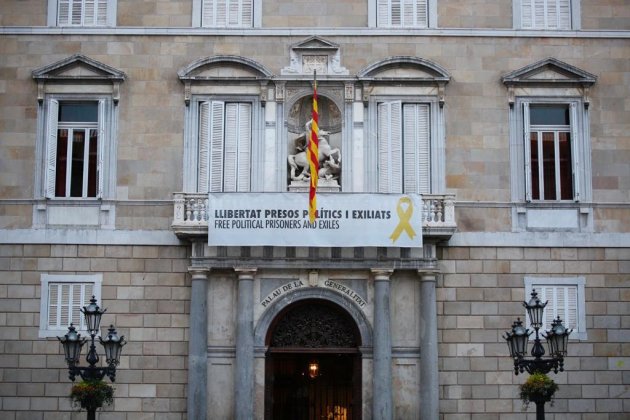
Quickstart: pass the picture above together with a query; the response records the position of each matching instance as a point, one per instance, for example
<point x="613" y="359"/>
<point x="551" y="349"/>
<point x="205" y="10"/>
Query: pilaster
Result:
<point x="429" y="380"/>
<point x="383" y="402"/>
<point x="198" y="344"/>
<point x="244" y="364"/>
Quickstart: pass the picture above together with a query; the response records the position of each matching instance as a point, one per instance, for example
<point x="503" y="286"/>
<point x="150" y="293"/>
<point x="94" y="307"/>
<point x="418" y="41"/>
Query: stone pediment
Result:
<point x="224" y="67"/>
<point x="315" y="43"/>
<point x="80" y="68"/>
<point x="405" y="68"/>
<point x="315" y="54"/>
<point x="549" y="71"/>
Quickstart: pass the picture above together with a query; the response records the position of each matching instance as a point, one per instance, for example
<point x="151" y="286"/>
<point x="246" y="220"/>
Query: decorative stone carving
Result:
<point x="314" y="326"/>
<point x="314" y="53"/>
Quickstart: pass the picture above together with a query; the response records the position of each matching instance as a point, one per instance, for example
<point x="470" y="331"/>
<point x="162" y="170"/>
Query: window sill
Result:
<point x="74" y="212"/>
<point x="552" y="217"/>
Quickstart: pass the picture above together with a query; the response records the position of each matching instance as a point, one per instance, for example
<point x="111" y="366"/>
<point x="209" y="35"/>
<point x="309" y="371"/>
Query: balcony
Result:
<point x="190" y="216"/>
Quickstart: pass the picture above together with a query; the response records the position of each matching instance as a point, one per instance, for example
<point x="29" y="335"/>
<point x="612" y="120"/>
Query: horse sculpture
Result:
<point x="329" y="158"/>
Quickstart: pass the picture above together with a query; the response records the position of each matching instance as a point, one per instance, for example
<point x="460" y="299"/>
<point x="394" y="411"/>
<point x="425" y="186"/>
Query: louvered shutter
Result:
<point x="64" y="303"/>
<point x="63" y="12"/>
<point x="203" y="178"/>
<point x="102" y="135"/>
<point x="552" y="14"/>
<point x="216" y="137"/>
<point x="562" y="302"/>
<point x="230" y="163"/>
<point x="528" y="158"/>
<point x="90" y="7"/>
<point x="414" y="13"/>
<point x="538" y="21"/>
<point x="527" y="14"/>
<point x="382" y="10"/>
<point x="76" y="13"/>
<point x="575" y="150"/>
<point x="395" y="12"/>
<point x="564" y="14"/>
<point x="390" y="147"/>
<point x="54" y="293"/>
<point x="101" y="13"/>
<point x="207" y="13"/>
<point x="51" y="146"/>
<point x="220" y="13"/>
<point x="247" y="14"/>
<point x="416" y="149"/>
<point x="244" y="142"/>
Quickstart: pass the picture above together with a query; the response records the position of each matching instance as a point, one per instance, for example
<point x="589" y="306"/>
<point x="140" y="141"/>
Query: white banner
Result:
<point x="344" y="220"/>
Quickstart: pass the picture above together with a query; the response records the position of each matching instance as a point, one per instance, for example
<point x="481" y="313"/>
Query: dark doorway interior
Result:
<point x="329" y="395"/>
<point x="313" y="364"/>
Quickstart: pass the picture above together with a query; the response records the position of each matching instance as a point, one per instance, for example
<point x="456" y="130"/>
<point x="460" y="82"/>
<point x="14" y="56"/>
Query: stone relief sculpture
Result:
<point x="299" y="124"/>
<point x="329" y="158"/>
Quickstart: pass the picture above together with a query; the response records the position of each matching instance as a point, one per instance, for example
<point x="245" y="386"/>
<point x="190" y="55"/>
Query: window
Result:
<point x="547" y="14"/>
<point x="82" y="13"/>
<point x="74" y="147"/>
<point x="565" y="299"/>
<point x="403" y="147"/>
<point x="227" y="13"/>
<point x="225" y="138"/>
<point x="402" y="13"/>
<point x="62" y="297"/>
<point x="550" y="158"/>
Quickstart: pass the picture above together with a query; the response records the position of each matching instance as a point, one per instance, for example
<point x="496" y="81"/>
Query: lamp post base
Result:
<point x="540" y="410"/>
<point x="91" y="414"/>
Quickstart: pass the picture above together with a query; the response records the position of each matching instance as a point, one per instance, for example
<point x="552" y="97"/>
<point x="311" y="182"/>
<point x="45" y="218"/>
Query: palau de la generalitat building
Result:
<point x="153" y="154"/>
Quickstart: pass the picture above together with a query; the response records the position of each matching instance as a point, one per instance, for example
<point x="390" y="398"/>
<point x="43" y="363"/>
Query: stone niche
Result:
<point x="330" y="123"/>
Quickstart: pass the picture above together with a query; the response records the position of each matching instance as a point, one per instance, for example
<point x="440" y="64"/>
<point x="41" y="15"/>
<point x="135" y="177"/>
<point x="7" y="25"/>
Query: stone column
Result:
<point x="429" y="380"/>
<point x="244" y="364"/>
<point x="383" y="405"/>
<point x="198" y="345"/>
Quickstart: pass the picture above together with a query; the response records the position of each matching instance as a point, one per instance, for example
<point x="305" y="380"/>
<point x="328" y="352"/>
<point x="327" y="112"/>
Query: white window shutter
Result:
<point x="102" y="135"/>
<point x="216" y="155"/>
<point x="390" y="147"/>
<point x="395" y="13"/>
<point x="54" y="313"/>
<point x="247" y="14"/>
<point x="538" y="21"/>
<point x="89" y="17"/>
<point x="564" y="14"/>
<point x="207" y="13"/>
<point x="552" y="14"/>
<point x="383" y="9"/>
<point x="51" y="146"/>
<point x="63" y="13"/>
<point x="76" y="13"/>
<point x="230" y="163"/>
<point x="422" y="13"/>
<point x="527" y="14"/>
<point x="220" y="13"/>
<point x="571" y="312"/>
<point x="414" y="13"/>
<point x="528" y="156"/>
<point x="575" y="150"/>
<point x="416" y="149"/>
<point x="203" y="164"/>
<point x="244" y="147"/>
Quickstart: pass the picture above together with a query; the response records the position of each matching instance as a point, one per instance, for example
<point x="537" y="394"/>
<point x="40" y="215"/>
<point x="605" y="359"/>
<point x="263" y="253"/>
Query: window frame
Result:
<point x="575" y="16"/>
<point x="96" y="280"/>
<point x="580" y="150"/>
<point x="53" y="15"/>
<point x="373" y="17"/>
<point x="579" y="331"/>
<point x="198" y="13"/>
<point x="193" y="174"/>
<point x="435" y="141"/>
<point x="106" y="158"/>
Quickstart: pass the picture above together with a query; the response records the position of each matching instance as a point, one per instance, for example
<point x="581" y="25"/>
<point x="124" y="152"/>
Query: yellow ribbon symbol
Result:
<point x="405" y="216"/>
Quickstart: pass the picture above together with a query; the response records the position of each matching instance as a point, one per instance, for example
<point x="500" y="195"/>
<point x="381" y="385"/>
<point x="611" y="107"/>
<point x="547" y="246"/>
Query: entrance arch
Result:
<point x="313" y="363"/>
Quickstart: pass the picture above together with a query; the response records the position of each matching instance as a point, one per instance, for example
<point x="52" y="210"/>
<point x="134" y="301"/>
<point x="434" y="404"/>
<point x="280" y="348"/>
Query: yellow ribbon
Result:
<point x="405" y="216"/>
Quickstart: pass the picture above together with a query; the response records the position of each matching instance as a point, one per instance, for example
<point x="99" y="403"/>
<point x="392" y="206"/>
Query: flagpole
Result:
<point x="313" y="155"/>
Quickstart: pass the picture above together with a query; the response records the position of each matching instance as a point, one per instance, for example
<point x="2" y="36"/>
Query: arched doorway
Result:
<point x="313" y="364"/>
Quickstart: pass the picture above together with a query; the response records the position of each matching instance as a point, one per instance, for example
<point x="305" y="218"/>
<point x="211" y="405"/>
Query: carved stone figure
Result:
<point x="329" y="158"/>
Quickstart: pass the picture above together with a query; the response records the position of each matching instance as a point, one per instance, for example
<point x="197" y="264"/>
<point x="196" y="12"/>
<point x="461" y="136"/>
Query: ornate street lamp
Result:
<point x="557" y="340"/>
<point x="72" y="344"/>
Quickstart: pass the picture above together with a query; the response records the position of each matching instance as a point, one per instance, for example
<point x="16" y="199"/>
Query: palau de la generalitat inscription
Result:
<point x="297" y="284"/>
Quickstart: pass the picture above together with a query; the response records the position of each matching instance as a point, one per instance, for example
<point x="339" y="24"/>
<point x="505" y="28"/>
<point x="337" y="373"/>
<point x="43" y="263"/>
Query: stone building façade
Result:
<point x="418" y="330"/>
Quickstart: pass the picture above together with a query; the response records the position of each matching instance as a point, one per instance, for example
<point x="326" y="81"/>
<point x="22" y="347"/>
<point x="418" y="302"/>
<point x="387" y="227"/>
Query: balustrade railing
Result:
<point x="191" y="212"/>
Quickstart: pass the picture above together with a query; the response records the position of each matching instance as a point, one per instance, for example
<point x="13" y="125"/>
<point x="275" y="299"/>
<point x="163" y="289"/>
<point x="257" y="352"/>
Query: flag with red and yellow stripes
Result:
<point x="313" y="156"/>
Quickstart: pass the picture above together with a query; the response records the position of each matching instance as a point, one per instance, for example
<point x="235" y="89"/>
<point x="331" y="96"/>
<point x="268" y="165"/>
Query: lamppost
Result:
<point x="73" y="342"/>
<point x="557" y="340"/>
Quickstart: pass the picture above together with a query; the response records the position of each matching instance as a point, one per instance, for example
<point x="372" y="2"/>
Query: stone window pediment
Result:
<point x="549" y="71"/>
<point x="315" y="54"/>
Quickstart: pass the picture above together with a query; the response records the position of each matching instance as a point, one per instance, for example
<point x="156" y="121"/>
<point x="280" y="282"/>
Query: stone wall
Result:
<point x="147" y="294"/>
<point x="480" y="295"/>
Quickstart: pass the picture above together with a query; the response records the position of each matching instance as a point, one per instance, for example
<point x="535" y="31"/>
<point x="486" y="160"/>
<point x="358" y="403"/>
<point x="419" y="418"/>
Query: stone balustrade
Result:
<point x="191" y="214"/>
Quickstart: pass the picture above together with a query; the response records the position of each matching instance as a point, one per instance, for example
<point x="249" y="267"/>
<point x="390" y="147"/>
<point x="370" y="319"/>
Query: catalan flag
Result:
<point x="313" y="156"/>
